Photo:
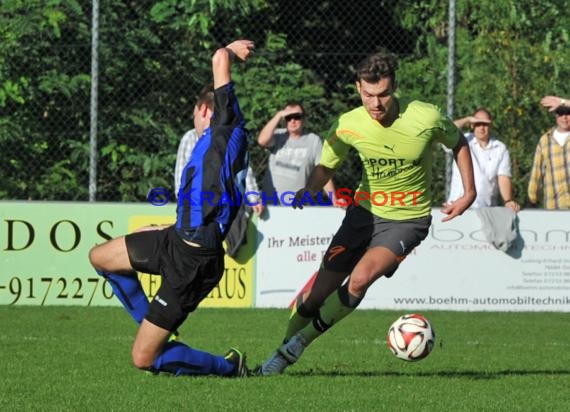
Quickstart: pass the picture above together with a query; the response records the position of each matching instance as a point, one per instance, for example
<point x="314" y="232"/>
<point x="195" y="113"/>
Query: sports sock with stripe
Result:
<point x="299" y="318"/>
<point x="335" y="308"/>
<point x="129" y="291"/>
<point x="180" y="359"/>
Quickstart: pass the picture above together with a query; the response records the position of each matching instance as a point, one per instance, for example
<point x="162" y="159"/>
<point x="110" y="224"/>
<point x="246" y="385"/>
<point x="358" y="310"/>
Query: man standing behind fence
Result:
<point x="293" y="154"/>
<point x="551" y="166"/>
<point x="491" y="164"/>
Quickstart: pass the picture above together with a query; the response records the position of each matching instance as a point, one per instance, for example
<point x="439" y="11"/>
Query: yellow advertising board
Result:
<point x="44" y="249"/>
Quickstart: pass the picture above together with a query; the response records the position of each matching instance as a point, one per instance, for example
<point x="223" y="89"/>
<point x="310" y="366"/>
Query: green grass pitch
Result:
<point x="78" y="359"/>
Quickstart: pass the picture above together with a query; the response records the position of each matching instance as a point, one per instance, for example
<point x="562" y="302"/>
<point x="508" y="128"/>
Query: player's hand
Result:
<point x="258" y="209"/>
<point x="301" y="197"/>
<point x="342" y="202"/>
<point x="243" y="49"/>
<point x="454" y="209"/>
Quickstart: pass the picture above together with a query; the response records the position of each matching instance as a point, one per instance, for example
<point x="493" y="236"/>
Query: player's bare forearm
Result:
<point x="318" y="178"/>
<point x="223" y="57"/>
<point x="462" y="157"/>
<point x="331" y="191"/>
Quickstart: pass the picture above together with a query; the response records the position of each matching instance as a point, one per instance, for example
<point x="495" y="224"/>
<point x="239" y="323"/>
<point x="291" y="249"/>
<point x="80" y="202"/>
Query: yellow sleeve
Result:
<point x="450" y="134"/>
<point x="334" y="149"/>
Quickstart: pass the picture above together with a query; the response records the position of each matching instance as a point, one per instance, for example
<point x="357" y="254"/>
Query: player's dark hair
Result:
<point x="377" y="66"/>
<point x="206" y="97"/>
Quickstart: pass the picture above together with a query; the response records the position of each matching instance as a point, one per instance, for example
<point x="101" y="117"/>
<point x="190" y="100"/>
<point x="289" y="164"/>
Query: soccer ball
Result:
<point x="411" y="337"/>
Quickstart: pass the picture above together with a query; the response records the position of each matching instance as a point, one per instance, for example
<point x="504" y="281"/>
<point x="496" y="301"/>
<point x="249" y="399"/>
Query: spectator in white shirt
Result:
<point x="491" y="164"/>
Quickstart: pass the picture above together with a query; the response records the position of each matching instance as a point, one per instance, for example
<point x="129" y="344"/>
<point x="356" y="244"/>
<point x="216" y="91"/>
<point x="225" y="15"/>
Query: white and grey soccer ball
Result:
<point x="411" y="337"/>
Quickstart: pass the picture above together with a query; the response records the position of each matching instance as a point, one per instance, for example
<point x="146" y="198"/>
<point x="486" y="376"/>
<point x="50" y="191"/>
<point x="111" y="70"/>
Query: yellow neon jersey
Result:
<point x="396" y="160"/>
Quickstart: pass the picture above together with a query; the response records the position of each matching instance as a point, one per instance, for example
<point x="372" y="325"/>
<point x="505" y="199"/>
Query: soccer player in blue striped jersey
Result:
<point x="188" y="255"/>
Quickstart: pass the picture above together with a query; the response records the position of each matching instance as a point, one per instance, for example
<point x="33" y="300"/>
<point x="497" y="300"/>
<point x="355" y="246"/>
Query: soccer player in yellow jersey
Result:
<point x="394" y="138"/>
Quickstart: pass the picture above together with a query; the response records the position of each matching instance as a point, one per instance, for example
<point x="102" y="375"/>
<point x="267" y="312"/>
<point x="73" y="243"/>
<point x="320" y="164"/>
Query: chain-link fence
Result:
<point x="153" y="57"/>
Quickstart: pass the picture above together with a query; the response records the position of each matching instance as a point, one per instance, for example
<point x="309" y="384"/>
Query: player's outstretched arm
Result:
<point x="224" y="56"/>
<point x="464" y="164"/>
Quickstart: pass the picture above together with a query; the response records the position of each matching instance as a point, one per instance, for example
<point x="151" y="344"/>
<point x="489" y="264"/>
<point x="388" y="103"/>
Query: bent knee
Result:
<point x="358" y="286"/>
<point x="360" y="282"/>
<point x="95" y="258"/>
<point x="142" y="360"/>
<point x="110" y="256"/>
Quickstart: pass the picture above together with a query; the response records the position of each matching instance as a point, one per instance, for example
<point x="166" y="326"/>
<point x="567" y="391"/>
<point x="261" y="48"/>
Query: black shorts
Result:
<point x="188" y="273"/>
<point x="361" y="230"/>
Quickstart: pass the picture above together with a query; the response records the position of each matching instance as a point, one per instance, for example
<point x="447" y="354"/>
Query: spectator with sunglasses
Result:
<point x="293" y="154"/>
<point x="550" y="175"/>
<point x="491" y="164"/>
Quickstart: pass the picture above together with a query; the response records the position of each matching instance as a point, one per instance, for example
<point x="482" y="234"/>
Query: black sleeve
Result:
<point x="226" y="107"/>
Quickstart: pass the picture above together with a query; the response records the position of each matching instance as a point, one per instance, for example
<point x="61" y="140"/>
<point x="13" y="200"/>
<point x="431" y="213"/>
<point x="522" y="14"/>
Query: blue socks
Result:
<point x="180" y="359"/>
<point x="176" y="357"/>
<point x="130" y="292"/>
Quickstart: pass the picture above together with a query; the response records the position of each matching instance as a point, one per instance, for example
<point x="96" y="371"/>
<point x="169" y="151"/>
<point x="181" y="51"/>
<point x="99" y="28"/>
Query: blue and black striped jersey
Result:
<point x="213" y="181"/>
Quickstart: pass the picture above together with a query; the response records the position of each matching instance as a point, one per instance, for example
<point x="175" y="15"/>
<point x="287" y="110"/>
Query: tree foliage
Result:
<point x="509" y="55"/>
<point x="43" y="101"/>
<point x="154" y="56"/>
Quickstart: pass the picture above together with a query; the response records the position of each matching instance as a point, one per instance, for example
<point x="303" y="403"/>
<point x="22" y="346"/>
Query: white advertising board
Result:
<point x="455" y="268"/>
